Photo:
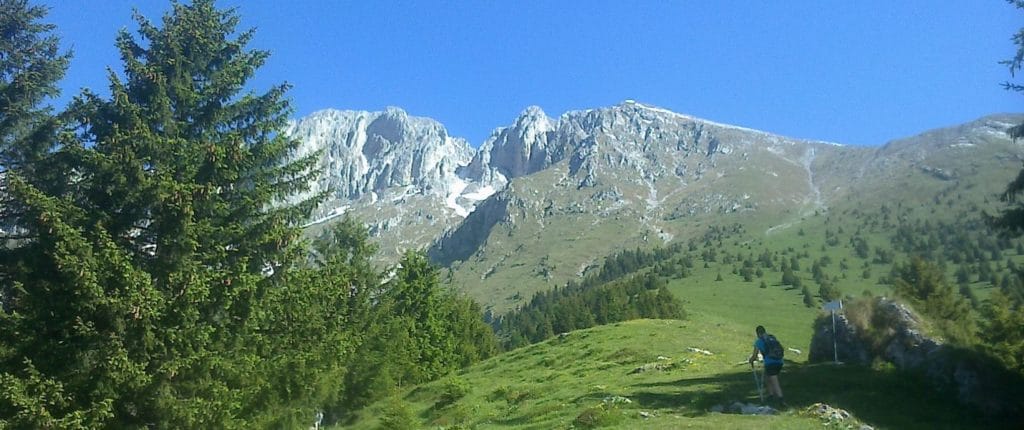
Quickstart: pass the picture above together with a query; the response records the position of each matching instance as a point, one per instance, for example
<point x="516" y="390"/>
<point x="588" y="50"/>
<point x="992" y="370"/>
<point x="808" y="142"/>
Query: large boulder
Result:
<point x="883" y="329"/>
<point x="846" y="347"/>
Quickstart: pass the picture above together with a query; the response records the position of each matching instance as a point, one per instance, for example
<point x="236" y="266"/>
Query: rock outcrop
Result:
<point x="888" y="330"/>
<point x="842" y="345"/>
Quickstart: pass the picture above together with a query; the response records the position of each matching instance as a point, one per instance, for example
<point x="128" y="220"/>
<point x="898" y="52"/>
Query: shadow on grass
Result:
<point x="883" y="398"/>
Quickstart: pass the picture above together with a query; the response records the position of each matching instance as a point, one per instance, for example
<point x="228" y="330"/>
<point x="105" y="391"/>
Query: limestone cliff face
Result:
<point x="664" y="171"/>
<point x="525" y="147"/>
<point x="366" y="153"/>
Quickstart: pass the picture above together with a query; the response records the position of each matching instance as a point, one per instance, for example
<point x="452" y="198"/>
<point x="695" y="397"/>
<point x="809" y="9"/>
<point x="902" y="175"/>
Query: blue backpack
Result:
<point x="772" y="348"/>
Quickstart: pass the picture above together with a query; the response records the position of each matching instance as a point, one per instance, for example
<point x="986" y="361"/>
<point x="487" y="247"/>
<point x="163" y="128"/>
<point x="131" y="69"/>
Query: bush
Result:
<point x="396" y="415"/>
<point x="452" y="390"/>
<point x="510" y="395"/>
<point x="602" y="415"/>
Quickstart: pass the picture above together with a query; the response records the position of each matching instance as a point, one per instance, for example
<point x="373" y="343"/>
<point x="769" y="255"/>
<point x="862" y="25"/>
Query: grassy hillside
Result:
<point x="589" y="377"/>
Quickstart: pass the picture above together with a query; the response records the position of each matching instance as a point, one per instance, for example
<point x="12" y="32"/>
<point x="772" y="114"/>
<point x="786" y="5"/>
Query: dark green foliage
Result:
<point x="788" y="278"/>
<point x="452" y="390"/>
<point x="598" y="416"/>
<point x="199" y="158"/>
<point x="1014" y="64"/>
<point x="1002" y="330"/>
<point x="170" y="287"/>
<point x="626" y="262"/>
<point x="1003" y="324"/>
<point x="818" y="272"/>
<point x="30" y="67"/>
<point x="827" y="292"/>
<point x="808" y="298"/>
<point x="962" y="275"/>
<point x="924" y="285"/>
<point x="747" y="273"/>
<point x="968" y="293"/>
<point x="397" y="415"/>
<point x="860" y="247"/>
<point x="416" y="331"/>
<point x="967" y="240"/>
<point x="766" y="260"/>
<point x="883" y="256"/>
<point x="143" y="288"/>
<point x="1011" y="218"/>
<point x="578" y="306"/>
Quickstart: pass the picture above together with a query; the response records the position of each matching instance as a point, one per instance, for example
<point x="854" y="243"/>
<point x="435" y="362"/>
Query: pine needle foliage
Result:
<point x="165" y="283"/>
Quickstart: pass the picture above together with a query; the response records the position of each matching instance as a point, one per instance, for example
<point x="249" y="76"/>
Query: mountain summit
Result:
<point x="593" y="181"/>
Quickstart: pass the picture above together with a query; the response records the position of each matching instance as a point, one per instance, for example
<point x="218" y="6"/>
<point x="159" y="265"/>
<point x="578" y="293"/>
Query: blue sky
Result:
<point x="856" y="72"/>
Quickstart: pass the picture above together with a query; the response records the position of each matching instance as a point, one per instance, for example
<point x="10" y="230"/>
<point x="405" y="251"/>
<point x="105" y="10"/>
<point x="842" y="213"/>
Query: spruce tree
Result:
<point x="30" y="67"/>
<point x="192" y="154"/>
<point x="924" y="284"/>
<point x="1002" y="330"/>
<point x="167" y="286"/>
<point x="418" y="296"/>
<point x="1002" y="322"/>
<point x="1012" y="218"/>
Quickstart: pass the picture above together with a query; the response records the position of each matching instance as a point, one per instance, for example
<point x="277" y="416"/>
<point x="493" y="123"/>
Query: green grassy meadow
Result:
<point x="580" y="380"/>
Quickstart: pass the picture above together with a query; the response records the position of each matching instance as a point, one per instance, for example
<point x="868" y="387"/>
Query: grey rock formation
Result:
<point x="372" y="153"/>
<point x="846" y="346"/>
<point x="521" y="149"/>
<point x="417" y="185"/>
<point x="974" y="379"/>
<point x="459" y="244"/>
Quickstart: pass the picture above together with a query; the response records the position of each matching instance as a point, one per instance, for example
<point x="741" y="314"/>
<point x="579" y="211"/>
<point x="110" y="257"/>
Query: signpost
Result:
<point x="834" y="306"/>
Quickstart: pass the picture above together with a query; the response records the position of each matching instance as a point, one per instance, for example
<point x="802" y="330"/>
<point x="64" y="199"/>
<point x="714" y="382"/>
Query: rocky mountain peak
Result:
<point x="532" y="115"/>
<point x="414" y="183"/>
<point x="517" y="150"/>
<point x="366" y="154"/>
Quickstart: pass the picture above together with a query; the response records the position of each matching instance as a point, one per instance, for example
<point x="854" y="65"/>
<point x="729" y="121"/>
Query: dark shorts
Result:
<point x="772" y="369"/>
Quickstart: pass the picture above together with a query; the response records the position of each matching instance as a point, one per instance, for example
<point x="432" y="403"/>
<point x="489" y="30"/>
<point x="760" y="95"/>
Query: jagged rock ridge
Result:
<point x="654" y="174"/>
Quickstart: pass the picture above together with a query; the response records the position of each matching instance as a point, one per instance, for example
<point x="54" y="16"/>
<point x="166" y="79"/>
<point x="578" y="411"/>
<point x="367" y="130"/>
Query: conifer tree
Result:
<point x="30" y="67"/>
<point x="1012" y="219"/>
<point x="1015" y="64"/>
<point x="165" y="287"/>
<point x="1002" y="330"/>
<point x="924" y="284"/>
<point x="418" y="296"/>
<point x="197" y="157"/>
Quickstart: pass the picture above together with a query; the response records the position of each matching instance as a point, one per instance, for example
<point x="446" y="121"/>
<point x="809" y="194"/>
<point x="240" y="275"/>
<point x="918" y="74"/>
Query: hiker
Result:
<point x="771" y="351"/>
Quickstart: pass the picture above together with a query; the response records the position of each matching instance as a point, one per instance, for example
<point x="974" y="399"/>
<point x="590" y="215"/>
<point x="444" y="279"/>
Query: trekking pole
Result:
<point x="758" y="382"/>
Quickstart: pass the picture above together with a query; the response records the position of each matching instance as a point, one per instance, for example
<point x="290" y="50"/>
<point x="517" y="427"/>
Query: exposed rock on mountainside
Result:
<point x="600" y="180"/>
<point x="460" y="244"/>
<point x="521" y="149"/>
<point x="368" y="153"/>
